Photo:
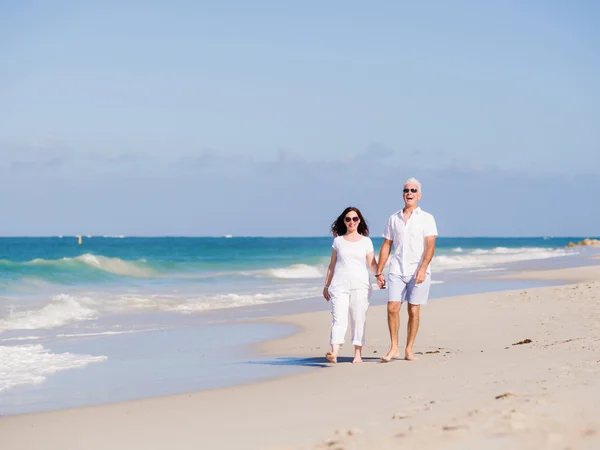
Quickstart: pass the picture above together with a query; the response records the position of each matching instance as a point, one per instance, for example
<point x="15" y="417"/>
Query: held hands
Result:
<point x="380" y="281"/>
<point x="326" y="293"/>
<point x="420" y="275"/>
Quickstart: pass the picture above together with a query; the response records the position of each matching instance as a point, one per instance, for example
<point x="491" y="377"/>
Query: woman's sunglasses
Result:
<point x="353" y="219"/>
<point x="413" y="190"/>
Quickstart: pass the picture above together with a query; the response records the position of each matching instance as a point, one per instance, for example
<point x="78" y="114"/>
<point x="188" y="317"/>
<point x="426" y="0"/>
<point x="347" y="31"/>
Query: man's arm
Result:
<point x="427" y="257"/>
<point x="384" y="254"/>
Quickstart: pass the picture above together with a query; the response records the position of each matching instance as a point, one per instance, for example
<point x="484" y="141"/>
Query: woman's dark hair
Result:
<point x="338" y="228"/>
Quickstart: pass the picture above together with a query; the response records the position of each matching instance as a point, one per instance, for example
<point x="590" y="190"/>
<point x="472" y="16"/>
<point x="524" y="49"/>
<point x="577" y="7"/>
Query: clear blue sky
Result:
<point x="268" y="118"/>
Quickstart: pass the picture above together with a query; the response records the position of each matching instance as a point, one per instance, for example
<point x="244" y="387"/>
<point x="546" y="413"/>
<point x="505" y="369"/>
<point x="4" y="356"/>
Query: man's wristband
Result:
<point x="378" y="275"/>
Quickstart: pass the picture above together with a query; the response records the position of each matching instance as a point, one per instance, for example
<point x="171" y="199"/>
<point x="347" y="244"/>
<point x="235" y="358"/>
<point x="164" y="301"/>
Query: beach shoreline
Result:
<point x="213" y="349"/>
<point x="78" y="325"/>
<point x="474" y="388"/>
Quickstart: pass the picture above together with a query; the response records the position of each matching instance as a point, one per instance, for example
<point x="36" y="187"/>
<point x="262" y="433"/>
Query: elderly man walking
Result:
<point x="412" y="232"/>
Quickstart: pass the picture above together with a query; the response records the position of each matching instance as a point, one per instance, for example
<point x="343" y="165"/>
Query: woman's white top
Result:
<point x="351" y="271"/>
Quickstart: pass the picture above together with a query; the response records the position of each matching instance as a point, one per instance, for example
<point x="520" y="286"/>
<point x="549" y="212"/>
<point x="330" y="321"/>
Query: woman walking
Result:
<point x="347" y="284"/>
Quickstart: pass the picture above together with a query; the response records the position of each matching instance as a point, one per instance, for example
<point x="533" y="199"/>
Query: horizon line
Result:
<point x="228" y="236"/>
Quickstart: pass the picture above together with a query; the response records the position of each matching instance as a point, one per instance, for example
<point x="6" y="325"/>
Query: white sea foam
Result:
<point x="61" y="310"/>
<point x="30" y="364"/>
<point x="221" y="302"/>
<point x="499" y="256"/>
<point x="296" y="271"/>
<point x="21" y="338"/>
<point x="77" y="335"/>
<point x="489" y="269"/>
<point x="65" y="309"/>
<point x="198" y="303"/>
<point x="38" y="261"/>
<point x="104" y="333"/>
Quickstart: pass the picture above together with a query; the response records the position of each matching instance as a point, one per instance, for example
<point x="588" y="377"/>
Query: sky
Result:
<point x="268" y="118"/>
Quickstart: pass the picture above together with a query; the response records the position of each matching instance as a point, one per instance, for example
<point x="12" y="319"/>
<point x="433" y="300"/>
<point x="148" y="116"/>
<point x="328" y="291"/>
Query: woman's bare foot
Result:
<point x="408" y="355"/>
<point x="331" y="357"/>
<point x="357" y="354"/>
<point x="394" y="353"/>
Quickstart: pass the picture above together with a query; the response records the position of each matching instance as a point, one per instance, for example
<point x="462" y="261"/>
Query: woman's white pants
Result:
<point x="353" y="304"/>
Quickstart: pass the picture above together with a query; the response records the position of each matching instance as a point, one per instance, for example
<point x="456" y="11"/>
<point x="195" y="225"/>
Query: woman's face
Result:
<point x="351" y="220"/>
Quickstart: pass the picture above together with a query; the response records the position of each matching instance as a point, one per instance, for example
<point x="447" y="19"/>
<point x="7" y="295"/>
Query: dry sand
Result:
<point x="478" y="383"/>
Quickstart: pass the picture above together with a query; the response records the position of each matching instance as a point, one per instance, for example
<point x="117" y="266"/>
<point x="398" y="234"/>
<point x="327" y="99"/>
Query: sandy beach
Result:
<point x="184" y="182"/>
<point x="504" y="370"/>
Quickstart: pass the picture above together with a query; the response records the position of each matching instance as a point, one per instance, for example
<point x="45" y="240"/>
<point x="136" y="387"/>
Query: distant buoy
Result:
<point x="79" y="240"/>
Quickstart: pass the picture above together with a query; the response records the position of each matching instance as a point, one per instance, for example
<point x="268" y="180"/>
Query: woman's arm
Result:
<point x="329" y="276"/>
<point x="372" y="262"/>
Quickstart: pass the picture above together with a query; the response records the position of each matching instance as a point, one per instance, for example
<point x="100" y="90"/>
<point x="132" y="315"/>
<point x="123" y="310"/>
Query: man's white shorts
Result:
<point x="405" y="289"/>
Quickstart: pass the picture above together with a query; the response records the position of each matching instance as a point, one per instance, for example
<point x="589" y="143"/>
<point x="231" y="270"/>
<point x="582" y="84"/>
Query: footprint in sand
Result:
<point x="454" y="427"/>
<point x="336" y="441"/>
<point x="524" y="341"/>
<point x="505" y="395"/>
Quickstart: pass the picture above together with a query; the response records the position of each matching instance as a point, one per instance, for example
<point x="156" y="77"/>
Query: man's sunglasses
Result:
<point x="353" y="219"/>
<point x="413" y="190"/>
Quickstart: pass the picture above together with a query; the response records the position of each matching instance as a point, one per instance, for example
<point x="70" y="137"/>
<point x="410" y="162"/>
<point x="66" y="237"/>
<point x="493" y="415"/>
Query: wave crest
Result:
<point x="61" y="310"/>
<point x="480" y="258"/>
<point x="296" y="271"/>
<point x="116" y="266"/>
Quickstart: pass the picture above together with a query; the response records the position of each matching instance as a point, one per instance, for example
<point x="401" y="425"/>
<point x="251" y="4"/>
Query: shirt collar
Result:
<point x="417" y="211"/>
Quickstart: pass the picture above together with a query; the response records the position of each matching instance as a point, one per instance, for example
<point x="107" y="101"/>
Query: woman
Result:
<point x="347" y="284"/>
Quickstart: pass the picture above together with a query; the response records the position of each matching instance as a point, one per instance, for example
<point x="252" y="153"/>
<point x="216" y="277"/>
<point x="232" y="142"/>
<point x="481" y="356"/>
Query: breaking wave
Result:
<point x="61" y="310"/>
<point x="116" y="266"/>
<point x="480" y="258"/>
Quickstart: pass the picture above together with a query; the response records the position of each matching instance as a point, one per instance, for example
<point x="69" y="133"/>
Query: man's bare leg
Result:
<point x="412" y="328"/>
<point x="393" y="316"/>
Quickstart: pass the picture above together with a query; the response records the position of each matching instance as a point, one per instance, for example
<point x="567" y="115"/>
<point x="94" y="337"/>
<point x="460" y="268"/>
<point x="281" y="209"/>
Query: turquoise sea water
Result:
<point x="31" y="262"/>
<point x="63" y="306"/>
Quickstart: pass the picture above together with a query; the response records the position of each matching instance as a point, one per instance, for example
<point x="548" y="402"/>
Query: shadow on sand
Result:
<point x="320" y="361"/>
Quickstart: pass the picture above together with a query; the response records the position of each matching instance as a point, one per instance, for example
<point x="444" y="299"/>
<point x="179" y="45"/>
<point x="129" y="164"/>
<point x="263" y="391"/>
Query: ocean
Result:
<point x="73" y="316"/>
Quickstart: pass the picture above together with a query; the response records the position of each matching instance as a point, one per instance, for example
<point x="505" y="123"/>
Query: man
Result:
<point x="412" y="231"/>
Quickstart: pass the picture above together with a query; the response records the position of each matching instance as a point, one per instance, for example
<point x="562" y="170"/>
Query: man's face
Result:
<point x="411" y="194"/>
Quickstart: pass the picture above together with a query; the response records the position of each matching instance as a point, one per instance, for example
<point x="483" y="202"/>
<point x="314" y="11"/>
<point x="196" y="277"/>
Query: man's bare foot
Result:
<point x="357" y="360"/>
<point x="331" y="357"/>
<point x="408" y="355"/>
<point x="394" y="353"/>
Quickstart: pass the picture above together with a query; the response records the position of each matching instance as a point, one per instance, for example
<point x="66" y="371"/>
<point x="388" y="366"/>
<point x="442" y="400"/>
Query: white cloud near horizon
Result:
<point x="211" y="193"/>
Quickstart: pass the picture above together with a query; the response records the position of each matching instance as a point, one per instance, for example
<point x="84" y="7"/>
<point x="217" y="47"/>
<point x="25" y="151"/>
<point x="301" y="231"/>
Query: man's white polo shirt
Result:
<point x="409" y="240"/>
